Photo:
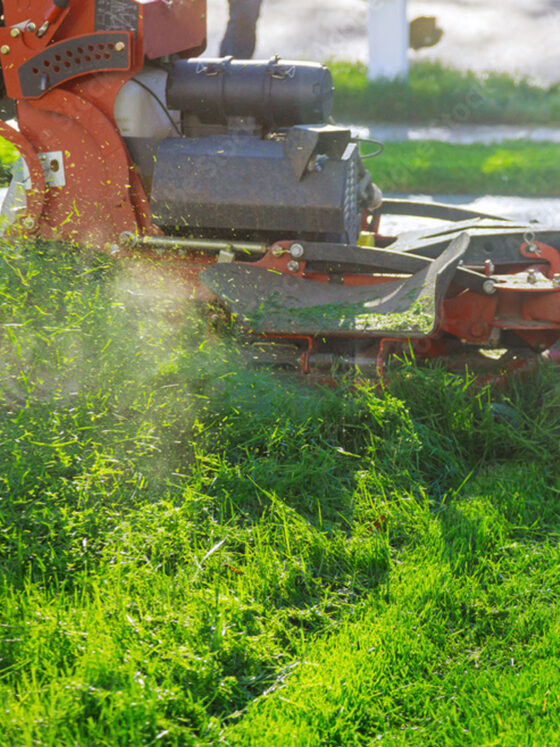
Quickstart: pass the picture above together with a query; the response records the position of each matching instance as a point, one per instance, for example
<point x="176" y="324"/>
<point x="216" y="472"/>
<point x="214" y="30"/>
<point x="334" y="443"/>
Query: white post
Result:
<point x="388" y="39"/>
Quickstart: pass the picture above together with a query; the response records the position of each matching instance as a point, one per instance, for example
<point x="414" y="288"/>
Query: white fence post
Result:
<point x="388" y="39"/>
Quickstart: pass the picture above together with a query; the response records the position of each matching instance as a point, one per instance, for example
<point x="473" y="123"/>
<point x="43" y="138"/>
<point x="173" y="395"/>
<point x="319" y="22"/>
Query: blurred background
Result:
<point x="518" y="37"/>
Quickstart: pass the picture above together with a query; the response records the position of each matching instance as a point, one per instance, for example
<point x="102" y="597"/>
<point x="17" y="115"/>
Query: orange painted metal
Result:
<point x="103" y="195"/>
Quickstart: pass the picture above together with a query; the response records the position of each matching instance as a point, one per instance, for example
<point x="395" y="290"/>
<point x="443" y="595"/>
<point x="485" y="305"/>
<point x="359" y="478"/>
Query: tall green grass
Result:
<point x="194" y="552"/>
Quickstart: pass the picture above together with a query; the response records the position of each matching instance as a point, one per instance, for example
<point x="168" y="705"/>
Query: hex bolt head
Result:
<point x="119" y="46"/>
<point x="5" y="49"/>
<point x="293" y="266"/>
<point x="31" y="27"/>
<point x="15" y="33"/>
<point x="296" y="251"/>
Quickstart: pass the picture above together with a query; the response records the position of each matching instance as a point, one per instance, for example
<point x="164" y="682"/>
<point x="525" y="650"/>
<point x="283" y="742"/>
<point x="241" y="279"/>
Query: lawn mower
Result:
<point x="232" y="173"/>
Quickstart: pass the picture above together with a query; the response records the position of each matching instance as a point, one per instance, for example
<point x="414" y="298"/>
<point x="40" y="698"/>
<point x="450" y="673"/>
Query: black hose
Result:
<point x="371" y="141"/>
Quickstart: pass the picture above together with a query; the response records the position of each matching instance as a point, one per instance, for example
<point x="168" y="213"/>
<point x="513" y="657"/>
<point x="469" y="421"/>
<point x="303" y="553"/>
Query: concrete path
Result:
<point x="457" y="134"/>
<point x="545" y="210"/>
<point x="519" y="37"/>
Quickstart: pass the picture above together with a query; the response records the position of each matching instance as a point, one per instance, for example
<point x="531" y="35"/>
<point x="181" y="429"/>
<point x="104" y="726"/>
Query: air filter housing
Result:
<point x="275" y="93"/>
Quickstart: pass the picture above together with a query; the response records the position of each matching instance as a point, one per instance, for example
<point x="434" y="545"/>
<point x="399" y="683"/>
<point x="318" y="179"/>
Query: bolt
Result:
<point x="556" y="280"/>
<point x="296" y="251"/>
<point x="532" y="277"/>
<point x="278" y="251"/>
<point x="489" y="268"/>
<point x="31" y="27"/>
<point x="15" y="33"/>
<point x="43" y="29"/>
<point x="29" y="223"/>
<point x="293" y="266"/>
<point x="5" y="49"/>
<point x="489" y="287"/>
<point x="119" y="46"/>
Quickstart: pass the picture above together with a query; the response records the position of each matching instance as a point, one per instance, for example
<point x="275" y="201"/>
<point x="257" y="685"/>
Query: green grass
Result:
<point x="442" y="96"/>
<point x="8" y="155"/>
<point x="196" y="553"/>
<point x="513" y="168"/>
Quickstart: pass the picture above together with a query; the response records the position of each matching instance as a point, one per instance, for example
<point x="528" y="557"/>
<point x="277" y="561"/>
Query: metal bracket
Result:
<point x="53" y="168"/>
<point x="110" y="50"/>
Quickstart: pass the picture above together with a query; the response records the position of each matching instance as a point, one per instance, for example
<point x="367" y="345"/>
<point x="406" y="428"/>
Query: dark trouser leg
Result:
<point x="240" y="37"/>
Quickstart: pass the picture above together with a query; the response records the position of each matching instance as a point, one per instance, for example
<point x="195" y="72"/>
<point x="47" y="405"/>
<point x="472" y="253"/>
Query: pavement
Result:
<point x="544" y="210"/>
<point x="518" y="37"/>
<point x="457" y="134"/>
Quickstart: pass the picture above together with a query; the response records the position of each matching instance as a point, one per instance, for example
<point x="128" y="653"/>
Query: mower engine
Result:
<point x="232" y="172"/>
<point x="255" y="157"/>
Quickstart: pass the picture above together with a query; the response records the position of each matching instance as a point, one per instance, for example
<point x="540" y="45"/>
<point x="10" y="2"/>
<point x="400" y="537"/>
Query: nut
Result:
<point x="489" y="287"/>
<point x="293" y="266"/>
<point x="31" y="27"/>
<point x="119" y="46"/>
<point x="15" y="33"/>
<point x="127" y="240"/>
<point x="532" y="277"/>
<point x="556" y="280"/>
<point x="5" y="49"/>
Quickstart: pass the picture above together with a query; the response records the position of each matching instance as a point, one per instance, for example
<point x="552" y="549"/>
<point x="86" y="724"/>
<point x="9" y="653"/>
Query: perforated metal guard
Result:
<point x="85" y="54"/>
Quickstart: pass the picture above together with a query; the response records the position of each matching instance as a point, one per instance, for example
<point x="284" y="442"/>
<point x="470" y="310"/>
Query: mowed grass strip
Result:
<point x="430" y="167"/>
<point x="194" y="551"/>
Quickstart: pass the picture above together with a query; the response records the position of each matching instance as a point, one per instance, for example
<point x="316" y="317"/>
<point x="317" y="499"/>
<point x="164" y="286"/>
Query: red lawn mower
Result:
<point x="231" y="172"/>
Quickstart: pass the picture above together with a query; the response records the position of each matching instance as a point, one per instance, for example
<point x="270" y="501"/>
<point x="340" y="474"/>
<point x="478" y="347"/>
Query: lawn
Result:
<point x="194" y="552"/>
<point x="429" y="167"/>
<point x="442" y="96"/>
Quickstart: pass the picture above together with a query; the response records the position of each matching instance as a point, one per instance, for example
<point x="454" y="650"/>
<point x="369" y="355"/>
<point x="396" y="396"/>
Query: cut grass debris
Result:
<point x="197" y="553"/>
<point x="441" y="95"/>
<point x="429" y="167"/>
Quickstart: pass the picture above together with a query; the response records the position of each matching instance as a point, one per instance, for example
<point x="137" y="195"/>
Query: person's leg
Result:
<point x="240" y="37"/>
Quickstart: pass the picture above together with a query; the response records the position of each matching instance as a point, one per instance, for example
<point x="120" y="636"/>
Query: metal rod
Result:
<point x="204" y="245"/>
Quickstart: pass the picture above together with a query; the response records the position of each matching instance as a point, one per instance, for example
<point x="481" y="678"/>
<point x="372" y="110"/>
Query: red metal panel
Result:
<point x="171" y="28"/>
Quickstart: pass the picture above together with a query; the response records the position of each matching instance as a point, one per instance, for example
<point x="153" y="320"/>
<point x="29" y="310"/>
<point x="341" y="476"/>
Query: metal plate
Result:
<point x="116" y="15"/>
<point x="83" y="54"/>
<point x="53" y="168"/>
<point x="269" y="302"/>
